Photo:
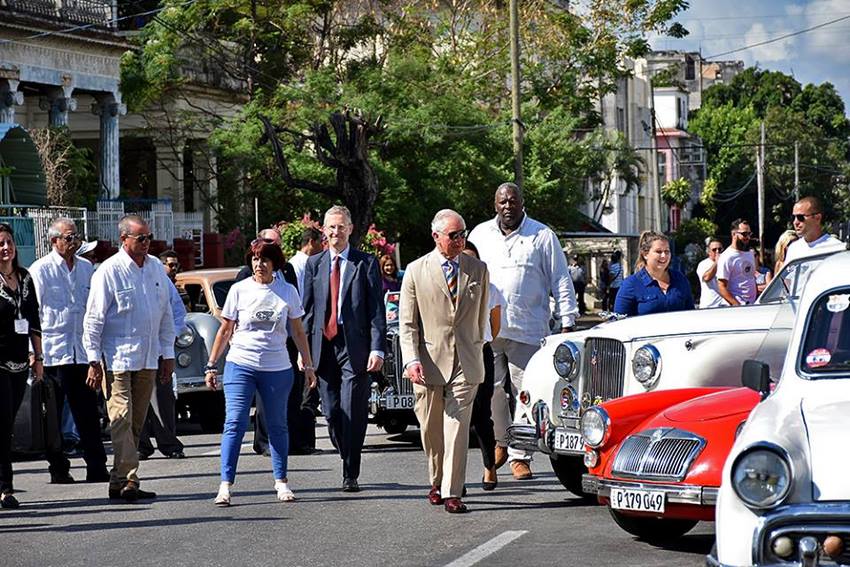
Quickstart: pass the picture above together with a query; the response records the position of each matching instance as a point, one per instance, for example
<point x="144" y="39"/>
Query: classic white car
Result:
<point x="784" y="496"/>
<point x="573" y="372"/>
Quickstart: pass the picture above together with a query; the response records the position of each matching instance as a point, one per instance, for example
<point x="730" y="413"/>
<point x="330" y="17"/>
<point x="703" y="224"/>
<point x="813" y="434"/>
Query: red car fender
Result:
<point x="627" y="414"/>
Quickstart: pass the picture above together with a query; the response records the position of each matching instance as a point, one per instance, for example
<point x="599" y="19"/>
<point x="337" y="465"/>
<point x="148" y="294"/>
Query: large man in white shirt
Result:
<point x="128" y="327"/>
<point x="707" y="274"/>
<point x="807" y="217"/>
<point x="527" y="265"/>
<point x="62" y="282"/>
<point x="736" y="267"/>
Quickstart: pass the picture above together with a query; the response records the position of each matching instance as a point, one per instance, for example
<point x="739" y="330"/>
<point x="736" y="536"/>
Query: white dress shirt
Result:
<point x="527" y="266"/>
<point x="62" y="294"/>
<point x="128" y="317"/>
<point x="343" y="265"/>
<point x="299" y="263"/>
<point x="178" y="310"/>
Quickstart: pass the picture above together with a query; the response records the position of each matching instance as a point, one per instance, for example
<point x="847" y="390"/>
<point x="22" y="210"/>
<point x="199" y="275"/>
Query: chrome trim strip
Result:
<point x="523" y="437"/>
<point x="674" y="493"/>
<point x="795" y="517"/>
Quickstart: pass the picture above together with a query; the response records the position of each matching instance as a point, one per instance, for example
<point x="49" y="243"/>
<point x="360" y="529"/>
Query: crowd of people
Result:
<point x="472" y="313"/>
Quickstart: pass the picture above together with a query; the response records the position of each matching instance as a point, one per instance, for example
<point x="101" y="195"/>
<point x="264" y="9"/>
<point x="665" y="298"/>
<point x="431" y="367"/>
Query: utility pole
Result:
<point x="760" y="178"/>
<point x="796" y="171"/>
<point x="656" y="179"/>
<point x="516" y="118"/>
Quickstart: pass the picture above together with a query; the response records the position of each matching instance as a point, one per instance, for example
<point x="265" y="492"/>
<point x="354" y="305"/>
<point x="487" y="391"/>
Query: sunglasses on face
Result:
<point x="69" y="238"/>
<point x="172" y="265"/>
<point x="457" y="234"/>
<point x="745" y="234"/>
<point x="717" y="249"/>
<point x="142" y="238"/>
<point x="802" y="217"/>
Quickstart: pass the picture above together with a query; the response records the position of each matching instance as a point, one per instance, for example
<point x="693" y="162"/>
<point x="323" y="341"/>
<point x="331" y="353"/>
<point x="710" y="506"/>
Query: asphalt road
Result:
<point x="389" y="523"/>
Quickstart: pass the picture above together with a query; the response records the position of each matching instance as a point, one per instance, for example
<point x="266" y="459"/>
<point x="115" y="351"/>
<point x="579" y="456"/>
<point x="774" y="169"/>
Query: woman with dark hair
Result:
<point x="19" y="326"/>
<point x="254" y="323"/>
<point x="389" y="273"/>
<point x="655" y="287"/>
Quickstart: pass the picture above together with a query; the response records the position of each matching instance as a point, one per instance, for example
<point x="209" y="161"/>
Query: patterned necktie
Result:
<point x="450" y="270"/>
<point x="332" y="310"/>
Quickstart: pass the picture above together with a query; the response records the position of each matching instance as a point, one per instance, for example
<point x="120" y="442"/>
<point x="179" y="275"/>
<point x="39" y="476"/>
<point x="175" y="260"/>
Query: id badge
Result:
<point x="22" y="326"/>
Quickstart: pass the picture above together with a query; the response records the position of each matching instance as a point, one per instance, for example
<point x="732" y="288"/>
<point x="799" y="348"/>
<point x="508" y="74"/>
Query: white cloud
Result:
<point x="776" y="51"/>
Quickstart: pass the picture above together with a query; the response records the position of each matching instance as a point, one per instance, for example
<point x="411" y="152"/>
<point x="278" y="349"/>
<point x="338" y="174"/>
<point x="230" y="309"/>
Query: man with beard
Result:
<point x="526" y="265"/>
<point x="736" y="267"/>
<point x="807" y="217"/>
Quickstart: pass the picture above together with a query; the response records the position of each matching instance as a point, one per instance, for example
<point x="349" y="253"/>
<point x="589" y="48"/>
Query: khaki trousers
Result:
<point x="510" y="359"/>
<point x="128" y="396"/>
<point x="444" y="412"/>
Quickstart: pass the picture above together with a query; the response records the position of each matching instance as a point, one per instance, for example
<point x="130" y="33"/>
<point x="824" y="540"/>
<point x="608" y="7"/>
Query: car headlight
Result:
<point x="566" y="360"/>
<point x="646" y="365"/>
<point x="186" y="338"/>
<point x="595" y="426"/>
<point x="184" y="359"/>
<point x="761" y="476"/>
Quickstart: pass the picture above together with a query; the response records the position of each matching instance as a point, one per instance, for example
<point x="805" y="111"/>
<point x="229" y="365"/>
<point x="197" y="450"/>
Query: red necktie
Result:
<point x="333" y="314"/>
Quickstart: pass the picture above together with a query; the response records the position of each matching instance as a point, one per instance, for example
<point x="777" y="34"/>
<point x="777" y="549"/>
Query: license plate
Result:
<point x="637" y="500"/>
<point x="399" y="402"/>
<point x="569" y="441"/>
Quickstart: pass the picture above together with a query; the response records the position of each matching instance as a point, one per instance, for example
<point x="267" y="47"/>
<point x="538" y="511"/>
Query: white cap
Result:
<point x="86" y="247"/>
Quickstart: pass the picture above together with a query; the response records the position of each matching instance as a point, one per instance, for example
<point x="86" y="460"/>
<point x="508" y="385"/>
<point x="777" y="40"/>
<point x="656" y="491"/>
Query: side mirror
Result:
<point x="755" y="375"/>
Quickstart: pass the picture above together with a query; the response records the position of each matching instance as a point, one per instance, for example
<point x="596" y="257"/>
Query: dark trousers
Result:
<point x="482" y="418"/>
<point x="85" y="408"/>
<point x="13" y="385"/>
<point x="612" y="297"/>
<point x="161" y="423"/>
<point x="302" y="434"/>
<point x="579" y="289"/>
<point x="345" y="400"/>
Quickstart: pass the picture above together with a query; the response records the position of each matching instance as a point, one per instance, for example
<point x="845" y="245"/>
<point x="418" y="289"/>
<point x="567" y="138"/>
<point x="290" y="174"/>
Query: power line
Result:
<point x="780" y="38"/>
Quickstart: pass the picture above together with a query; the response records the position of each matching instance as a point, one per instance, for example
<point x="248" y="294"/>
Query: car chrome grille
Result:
<point x="604" y="371"/>
<point x="657" y="454"/>
<point x="820" y="533"/>
<point x="393" y="367"/>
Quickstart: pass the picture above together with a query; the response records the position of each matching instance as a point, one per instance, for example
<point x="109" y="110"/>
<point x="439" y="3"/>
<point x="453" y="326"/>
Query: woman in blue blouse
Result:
<point x="655" y="287"/>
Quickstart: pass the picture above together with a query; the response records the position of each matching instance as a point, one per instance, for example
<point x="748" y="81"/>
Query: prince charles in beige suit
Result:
<point x="442" y="317"/>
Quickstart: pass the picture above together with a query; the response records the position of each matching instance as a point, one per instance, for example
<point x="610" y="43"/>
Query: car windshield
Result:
<point x="774" y="346"/>
<point x="220" y="290"/>
<point x="791" y="281"/>
<point x="826" y="348"/>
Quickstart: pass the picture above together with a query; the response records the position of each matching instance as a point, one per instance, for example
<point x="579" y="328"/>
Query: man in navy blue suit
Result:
<point x="345" y="323"/>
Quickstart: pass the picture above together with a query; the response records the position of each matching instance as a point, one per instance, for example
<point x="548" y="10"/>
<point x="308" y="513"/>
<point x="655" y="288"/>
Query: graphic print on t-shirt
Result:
<point x="265" y="312"/>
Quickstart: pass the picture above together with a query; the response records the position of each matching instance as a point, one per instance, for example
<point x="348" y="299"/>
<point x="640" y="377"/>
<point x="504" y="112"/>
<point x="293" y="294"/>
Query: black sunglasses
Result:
<point x="802" y="217"/>
<point x="745" y="234"/>
<point x="717" y="249"/>
<point x="142" y="238"/>
<point x="457" y="235"/>
<point x="69" y="238"/>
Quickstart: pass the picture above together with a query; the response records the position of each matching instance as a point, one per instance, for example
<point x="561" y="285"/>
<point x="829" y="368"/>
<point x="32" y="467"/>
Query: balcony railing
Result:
<point x="98" y="13"/>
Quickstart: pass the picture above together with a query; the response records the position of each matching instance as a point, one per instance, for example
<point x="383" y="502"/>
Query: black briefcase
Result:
<point x="37" y="427"/>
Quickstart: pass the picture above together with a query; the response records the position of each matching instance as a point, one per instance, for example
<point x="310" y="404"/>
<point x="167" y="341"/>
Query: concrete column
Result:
<point x="10" y="97"/>
<point x="169" y="173"/>
<point x="109" y="108"/>
<point x="58" y="103"/>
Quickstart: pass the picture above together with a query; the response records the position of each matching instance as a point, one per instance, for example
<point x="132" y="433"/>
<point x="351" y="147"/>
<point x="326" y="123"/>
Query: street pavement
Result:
<point x="389" y="523"/>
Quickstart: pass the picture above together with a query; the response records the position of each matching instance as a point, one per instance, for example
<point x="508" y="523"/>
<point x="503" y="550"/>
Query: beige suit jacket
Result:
<point x="432" y="328"/>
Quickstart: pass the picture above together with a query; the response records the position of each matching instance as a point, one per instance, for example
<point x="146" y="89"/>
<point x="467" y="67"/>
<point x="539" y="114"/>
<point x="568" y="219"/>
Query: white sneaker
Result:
<point x="284" y="494"/>
<point x="222" y="499"/>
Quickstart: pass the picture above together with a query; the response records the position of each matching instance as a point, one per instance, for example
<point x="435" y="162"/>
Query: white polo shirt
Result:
<point x="800" y="248"/>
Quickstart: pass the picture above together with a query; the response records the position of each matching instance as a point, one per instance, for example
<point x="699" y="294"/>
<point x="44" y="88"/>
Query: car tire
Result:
<point x="211" y="414"/>
<point x="653" y="530"/>
<point x="569" y="471"/>
<point x="394" y="426"/>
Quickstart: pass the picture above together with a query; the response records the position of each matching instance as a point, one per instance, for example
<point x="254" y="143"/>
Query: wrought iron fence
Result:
<point x="95" y="12"/>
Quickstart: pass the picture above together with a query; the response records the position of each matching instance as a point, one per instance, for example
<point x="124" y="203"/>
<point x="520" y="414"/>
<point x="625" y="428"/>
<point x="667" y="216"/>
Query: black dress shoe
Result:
<point x="144" y="456"/>
<point x="97" y="476"/>
<point x="350" y="485"/>
<point x="179" y="454"/>
<point x="8" y="501"/>
<point x="61" y="478"/>
<point x="488" y="486"/>
<point x="131" y="492"/>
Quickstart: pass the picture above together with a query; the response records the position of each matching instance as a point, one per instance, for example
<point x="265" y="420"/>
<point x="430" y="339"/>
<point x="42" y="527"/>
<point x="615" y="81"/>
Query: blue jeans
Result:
<point x="240" y="384"/>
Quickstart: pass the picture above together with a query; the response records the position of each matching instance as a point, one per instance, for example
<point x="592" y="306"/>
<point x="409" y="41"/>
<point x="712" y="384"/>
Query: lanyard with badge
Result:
<point x="22" y="326"/>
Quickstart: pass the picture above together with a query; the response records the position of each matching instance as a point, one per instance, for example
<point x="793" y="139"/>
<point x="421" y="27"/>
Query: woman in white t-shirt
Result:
<point x="254" y="323"/>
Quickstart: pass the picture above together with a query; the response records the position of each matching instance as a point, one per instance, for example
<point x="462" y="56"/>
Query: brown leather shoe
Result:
<point x="521" y="470"/>
<point x="455" y="506"/>
<point x="434" y="496"/>
<point x="501" y="456"/>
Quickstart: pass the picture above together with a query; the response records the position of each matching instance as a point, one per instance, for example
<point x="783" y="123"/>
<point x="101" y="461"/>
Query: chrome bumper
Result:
<point x="525" y="438"/>
<point x="191" y="384"/>
<point x="807" y="525"/>
<point x="673" y="493"/>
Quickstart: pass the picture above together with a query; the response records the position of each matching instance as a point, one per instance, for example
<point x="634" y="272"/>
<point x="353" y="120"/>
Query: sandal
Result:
<point x="284" y="494"/>
<point x="8" y="501"/>
<point x="222" y="499"/>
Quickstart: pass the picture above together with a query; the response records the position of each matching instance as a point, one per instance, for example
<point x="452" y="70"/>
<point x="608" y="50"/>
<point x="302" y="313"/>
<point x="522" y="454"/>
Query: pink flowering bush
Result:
<point x="375" y="242"/>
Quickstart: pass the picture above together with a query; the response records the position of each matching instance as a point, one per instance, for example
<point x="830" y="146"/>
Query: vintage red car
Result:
<point x="655" y="459"/>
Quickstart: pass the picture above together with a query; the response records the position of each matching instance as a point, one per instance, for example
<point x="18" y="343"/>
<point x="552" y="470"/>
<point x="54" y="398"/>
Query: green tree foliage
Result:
<point x="729" y="123"/>
<point x="676" y="192"/>
<point x="434" y="72"/>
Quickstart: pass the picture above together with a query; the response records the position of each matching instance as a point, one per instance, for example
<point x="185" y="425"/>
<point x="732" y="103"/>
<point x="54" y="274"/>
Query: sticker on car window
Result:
<point x="818" y="358"/>
<point x="838" y="303"/>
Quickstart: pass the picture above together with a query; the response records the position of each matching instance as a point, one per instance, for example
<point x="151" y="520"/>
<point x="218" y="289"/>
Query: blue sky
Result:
<point x="821" y="55"/>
